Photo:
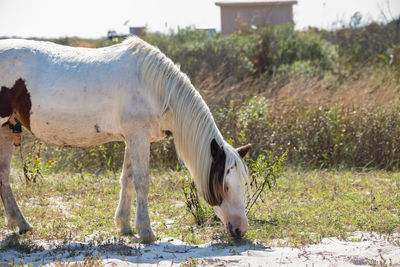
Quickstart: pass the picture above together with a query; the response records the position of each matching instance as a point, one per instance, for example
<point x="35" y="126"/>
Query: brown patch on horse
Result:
<point x="18" y="100"/>
<point x="216" y="178"/>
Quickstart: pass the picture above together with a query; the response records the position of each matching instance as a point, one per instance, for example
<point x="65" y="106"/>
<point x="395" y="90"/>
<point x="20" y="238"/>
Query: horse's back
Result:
<point x="78" y="95"/>
<point x="43" y="60"/>
<point x="14" y="54"/>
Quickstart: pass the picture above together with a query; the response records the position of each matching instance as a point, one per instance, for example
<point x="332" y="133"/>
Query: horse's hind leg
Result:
<point x="13" y="214"/>
<point x="123" y="213"/>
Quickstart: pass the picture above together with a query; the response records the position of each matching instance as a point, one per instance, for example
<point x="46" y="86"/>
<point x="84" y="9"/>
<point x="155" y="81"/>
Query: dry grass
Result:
<point x="370" y="87"/>
<point x="82" y="43"/>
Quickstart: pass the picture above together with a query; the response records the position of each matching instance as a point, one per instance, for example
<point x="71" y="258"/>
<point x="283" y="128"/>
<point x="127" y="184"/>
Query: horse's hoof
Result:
<point x="149" y="239"/>
<point x="127" y="231"/>
<point x="147" y="236"/>
<point x="124" y="225"/>
<point x="24" y="230"/>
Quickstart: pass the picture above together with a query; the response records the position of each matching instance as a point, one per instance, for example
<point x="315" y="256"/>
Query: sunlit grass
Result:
<point x="307" y="206"/>
<point x="302" y="208"/>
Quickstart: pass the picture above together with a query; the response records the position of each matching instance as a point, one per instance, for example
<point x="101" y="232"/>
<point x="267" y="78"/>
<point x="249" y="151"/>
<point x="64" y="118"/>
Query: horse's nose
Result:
<point x="237" y="232"/>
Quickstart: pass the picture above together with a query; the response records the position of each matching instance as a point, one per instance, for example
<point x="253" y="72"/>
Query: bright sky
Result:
<point x="93" y="18"/>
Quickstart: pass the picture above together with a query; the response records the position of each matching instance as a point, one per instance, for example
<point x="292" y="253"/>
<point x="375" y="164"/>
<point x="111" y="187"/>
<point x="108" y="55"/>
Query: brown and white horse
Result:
<point x="128" y="92"/>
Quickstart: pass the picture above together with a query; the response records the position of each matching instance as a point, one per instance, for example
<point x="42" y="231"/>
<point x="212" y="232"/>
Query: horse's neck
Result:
<point x="193" y="129"/>
<point x="190" y="120"/>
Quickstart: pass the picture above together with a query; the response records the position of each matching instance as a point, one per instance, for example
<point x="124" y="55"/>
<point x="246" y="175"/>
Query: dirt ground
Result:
<point x="361" y="249"/>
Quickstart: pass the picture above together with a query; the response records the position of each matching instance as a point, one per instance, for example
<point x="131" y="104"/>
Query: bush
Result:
<point x="358" y="45"/>
<point x="327" y="136"/>
<point x="249" y="55"/>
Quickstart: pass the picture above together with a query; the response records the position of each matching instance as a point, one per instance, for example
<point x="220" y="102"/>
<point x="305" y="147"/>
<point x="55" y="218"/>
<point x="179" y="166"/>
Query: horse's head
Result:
<point x="228" y="175"/>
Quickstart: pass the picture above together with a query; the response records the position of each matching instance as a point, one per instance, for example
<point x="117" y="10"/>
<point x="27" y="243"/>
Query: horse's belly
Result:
<point x="80" y="131"/>
<point x="72" y="140"/>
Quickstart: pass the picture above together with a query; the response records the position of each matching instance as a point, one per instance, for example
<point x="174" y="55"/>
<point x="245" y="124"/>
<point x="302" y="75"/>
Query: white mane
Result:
<point x="193" y="125"/>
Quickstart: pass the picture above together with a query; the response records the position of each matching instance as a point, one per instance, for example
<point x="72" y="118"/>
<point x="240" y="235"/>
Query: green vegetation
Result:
<point x="329" y="136"/>
<point x="261" y="53"/>
<point x="303" y="207"/>
<point x="323" y="137"/>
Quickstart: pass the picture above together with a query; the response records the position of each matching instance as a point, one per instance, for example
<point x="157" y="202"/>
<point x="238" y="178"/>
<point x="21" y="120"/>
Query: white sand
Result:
<point x="362" y="249"/>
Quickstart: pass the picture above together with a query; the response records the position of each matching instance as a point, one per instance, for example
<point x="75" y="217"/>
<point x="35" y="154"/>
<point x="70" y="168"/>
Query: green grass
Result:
<point x="302" y="208"/>
<point x="307" y="206"/>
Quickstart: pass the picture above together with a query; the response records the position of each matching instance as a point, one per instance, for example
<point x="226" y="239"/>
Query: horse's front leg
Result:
<point x="13" y="213"/>
<point x="136" y="174"/>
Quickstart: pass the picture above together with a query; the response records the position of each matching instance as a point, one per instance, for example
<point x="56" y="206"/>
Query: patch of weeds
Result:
<point x="223" y="239"/>
<point x="89" y="261"/>
<point x="200" y="212"/>
<point x="118" y="245"/>
<point x="264" y="172"/>
<point x="34" y="168"/>
<point x="25" y="246"/>
<point x="192" y="262"/>
<point x="381" y="262"/>
<point x="20" y="264"/>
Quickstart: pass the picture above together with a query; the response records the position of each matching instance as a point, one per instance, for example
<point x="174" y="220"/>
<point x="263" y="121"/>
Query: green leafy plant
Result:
<point x="34" y="168"/>
<point x="194" y="205"/>
<point x="263" y="173"/>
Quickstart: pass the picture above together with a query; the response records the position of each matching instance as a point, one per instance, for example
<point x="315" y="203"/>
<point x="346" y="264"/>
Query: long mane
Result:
<point x="193" y="126"/>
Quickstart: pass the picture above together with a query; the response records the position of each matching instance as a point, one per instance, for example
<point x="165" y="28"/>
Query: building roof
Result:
<point x="236" y="3"/>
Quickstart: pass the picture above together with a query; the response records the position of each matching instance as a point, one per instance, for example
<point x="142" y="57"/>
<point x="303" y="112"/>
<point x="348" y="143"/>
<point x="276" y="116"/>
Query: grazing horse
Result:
<point x="129" y="92"/>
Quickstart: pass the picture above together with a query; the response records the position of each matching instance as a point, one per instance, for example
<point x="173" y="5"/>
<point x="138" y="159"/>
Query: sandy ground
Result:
<point x="362" y="249"/>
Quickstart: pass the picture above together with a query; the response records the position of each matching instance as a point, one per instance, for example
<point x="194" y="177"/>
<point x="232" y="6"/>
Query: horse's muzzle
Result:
<point x="235" y="232"/>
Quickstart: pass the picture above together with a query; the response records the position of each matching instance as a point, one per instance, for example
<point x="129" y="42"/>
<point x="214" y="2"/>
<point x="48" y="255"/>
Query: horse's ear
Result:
<point x="243" y="150"/>
<point x="216" y="151"/>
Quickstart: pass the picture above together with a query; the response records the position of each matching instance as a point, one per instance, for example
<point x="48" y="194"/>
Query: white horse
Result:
<point x="128" y="92"/>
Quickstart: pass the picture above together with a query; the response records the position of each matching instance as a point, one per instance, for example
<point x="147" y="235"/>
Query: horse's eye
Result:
<point x="226" y="189"/>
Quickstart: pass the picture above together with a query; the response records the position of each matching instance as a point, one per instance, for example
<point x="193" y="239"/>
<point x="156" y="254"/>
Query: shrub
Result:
<point x="247" y="55"/>
<point x="328" y="136"/>
<point x="358" y="45"/>
<point x="263" y="172"/>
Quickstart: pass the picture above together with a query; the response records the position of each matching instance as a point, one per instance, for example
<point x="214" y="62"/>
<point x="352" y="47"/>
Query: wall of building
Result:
<point x="233" y="16"/>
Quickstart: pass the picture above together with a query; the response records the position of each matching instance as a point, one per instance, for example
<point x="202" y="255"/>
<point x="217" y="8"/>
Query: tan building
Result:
<point x="236" y="14"/>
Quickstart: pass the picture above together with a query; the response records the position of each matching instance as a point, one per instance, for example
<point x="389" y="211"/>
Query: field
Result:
<point x="327" y="100"/>
<point x="303" y="208"/>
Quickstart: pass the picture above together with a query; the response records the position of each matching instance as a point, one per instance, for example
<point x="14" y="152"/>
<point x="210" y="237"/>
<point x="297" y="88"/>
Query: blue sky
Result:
<point x="93" y="18"/>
